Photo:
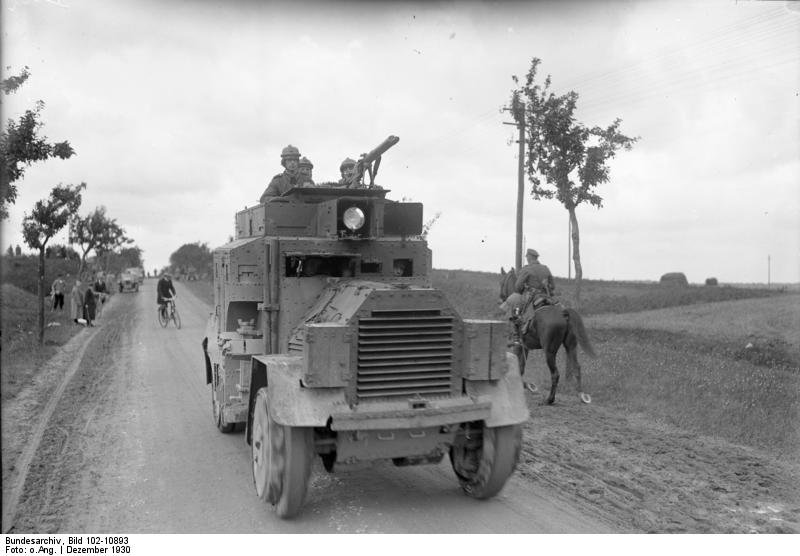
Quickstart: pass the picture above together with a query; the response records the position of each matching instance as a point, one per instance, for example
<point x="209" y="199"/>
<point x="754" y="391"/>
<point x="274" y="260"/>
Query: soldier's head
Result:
<point x="290" y="158"/>
<point x="532" y="255"/>
<point x="304" y="167"/>
<point x="347" y="168"/>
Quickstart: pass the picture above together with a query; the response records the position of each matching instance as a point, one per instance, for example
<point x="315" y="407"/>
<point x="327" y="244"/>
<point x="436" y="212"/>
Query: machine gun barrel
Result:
<point x="376" y="153"/>
<point x="365" y="162"/>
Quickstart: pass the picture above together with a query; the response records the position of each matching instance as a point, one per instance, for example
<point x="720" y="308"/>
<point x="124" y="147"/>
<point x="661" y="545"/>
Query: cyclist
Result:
<point x="164" y="290"/>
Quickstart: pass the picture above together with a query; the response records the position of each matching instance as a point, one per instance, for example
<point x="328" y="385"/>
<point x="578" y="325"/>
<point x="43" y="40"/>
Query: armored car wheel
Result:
<point x="219" y="418"/>
<point x="484" y="457"/>
<point x="281" y="460"/>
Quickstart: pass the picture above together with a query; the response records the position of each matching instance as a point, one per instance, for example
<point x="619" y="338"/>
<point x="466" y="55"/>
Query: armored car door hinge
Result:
<point x="268" y="306"/>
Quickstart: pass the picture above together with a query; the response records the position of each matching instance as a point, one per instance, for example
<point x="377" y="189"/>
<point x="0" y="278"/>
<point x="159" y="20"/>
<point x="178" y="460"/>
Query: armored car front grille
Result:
<point x="403" y="353"/>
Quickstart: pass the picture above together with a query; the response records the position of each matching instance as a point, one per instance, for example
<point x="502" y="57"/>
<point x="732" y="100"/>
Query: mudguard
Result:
<point x="289" y="402"/>
<point x="507" y="395"/>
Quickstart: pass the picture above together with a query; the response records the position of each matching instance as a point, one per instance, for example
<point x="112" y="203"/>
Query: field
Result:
<point x="21" y="355"/>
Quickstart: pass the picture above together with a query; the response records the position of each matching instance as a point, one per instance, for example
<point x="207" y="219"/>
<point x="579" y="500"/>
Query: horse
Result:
<point x="547" y="327"/>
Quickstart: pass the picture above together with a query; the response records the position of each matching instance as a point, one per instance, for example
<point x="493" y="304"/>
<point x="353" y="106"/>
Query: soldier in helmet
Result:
<point x="347" y="169"/>
<point x="304" y="169"/>
<point x="283" y="182"/>
<point x="535" y="279"/>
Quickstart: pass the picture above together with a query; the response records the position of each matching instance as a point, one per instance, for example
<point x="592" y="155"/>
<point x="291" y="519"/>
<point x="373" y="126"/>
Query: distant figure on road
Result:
<point x="58" y="293"/>
<point x="164" y="290"/>
<point x="100" y="291"/>
<point x="289" y="178"/>
<point x="76" y="302"/>
<point x="89" y="306"/>
<point x="535" y="279"/>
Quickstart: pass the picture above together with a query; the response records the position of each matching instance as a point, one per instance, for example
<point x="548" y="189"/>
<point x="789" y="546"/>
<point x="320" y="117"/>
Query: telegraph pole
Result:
<point x="518" y="109"/>
<point x="769" y="270"/>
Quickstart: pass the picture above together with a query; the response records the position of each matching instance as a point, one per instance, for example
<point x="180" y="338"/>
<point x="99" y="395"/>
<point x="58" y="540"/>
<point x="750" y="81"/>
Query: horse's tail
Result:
<point x="576" y="322"/>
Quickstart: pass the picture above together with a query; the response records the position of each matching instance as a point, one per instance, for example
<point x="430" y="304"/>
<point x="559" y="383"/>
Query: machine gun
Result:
<point x="370" y="162"/>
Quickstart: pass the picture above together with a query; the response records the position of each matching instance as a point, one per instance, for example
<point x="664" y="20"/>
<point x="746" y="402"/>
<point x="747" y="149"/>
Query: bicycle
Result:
<point x="169" y="312"/>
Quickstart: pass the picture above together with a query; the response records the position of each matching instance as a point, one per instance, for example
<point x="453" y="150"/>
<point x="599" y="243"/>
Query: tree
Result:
<point x="10" y="251"/>
<point x="97" y="232"/>
<point x="127" y="257"/>
<point x="192" y="255"/>
<point x="21" y="145"/>
<point x="17" y="251"/>
<point x="59" y="251"/>
<point x="47" y="218"/>
<point x="565" y="159"/>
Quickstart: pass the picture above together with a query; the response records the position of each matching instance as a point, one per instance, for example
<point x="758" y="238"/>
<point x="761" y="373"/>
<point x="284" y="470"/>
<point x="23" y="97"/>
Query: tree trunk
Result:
<point x="41" y="295"/>
<point x="576" y="256"/>
<point x="83" y="264"/>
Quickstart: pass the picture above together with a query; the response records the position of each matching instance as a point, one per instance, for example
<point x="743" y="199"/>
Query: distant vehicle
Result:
<point x="327" y="340"/>
<point x="128" y="282"/>
<point x="138" y="273"/>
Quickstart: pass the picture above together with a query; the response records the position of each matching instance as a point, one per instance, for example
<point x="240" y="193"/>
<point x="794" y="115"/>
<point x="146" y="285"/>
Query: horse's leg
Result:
<point x="573" y="367"/>
<point x="571" y="346"/>
<point x="550" y="341"/>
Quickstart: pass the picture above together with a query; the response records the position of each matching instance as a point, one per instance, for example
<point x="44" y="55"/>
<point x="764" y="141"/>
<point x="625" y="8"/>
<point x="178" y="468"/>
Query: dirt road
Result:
<point x="130" y="447"/>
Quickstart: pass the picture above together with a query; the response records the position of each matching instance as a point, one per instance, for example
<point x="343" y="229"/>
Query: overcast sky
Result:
<point x="178" y="112"/>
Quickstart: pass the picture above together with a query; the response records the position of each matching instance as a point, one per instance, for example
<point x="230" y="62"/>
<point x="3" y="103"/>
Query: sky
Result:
<point x="178" y="112"/>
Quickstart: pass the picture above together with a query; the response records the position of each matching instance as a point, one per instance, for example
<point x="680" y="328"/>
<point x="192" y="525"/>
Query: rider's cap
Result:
<point x="531" y="253"/>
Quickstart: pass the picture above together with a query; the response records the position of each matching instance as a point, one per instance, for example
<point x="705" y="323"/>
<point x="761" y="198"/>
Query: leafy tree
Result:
<point x="59" y="251"/>
<point x="97" y="232"/>
<point x="21" y="144"/>
<point x="566" y="160"/>
<point x="46" y="219"/>
<point x="192" y="255"/>
<point x="127" y="257"/>
<point x="426" y="228"/>
<point x="10" y="251"/>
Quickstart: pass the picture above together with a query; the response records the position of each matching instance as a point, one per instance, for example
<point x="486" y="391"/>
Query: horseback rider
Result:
<point x="535" y="281"/>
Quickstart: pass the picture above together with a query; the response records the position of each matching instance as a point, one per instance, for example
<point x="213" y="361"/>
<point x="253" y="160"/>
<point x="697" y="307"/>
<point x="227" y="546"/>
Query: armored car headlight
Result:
<point x="353" y="218"/>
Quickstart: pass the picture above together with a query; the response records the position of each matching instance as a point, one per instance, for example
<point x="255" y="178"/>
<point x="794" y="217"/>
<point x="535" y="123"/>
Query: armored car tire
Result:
<point x="219" y="418"/>
<point x="281" y="458"/>
<point x="484" y="459"/>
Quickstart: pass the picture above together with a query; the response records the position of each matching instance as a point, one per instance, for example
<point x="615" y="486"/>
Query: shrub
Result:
<point x="711" y="282"/>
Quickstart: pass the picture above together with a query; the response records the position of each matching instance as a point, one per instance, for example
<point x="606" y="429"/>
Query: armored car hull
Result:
<point x="327" y="340"/>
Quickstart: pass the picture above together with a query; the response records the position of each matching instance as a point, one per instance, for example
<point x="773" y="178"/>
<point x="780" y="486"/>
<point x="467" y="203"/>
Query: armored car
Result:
<point x="327" y="340"/>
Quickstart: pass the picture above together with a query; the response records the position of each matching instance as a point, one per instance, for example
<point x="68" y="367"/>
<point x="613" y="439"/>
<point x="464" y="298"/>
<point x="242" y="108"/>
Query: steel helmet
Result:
<point x="347" y="163"/>
<point x="290" y="151"/>
<point x="305" y="163"/>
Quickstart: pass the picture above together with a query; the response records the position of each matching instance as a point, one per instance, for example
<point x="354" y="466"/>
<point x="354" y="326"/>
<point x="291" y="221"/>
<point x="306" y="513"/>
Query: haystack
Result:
<point x="674" y="279"/>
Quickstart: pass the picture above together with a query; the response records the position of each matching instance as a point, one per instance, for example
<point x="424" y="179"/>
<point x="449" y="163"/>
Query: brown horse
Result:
<point x="548" y="328"/>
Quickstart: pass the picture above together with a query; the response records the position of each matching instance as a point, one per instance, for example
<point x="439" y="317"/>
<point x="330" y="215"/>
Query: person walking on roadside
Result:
<point x="58" y="293"/>
<point x="89" y="306"/>
<point x="76" y="302"/>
